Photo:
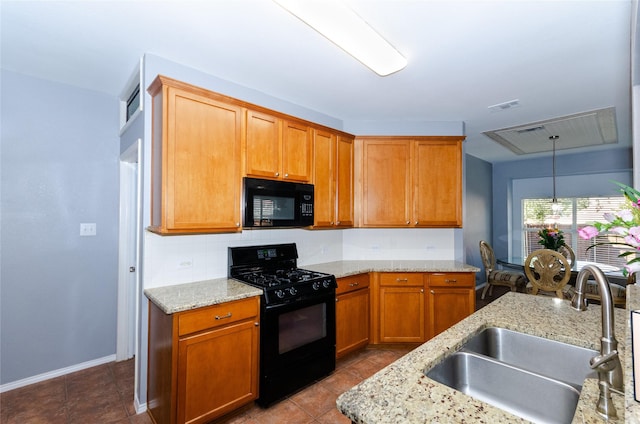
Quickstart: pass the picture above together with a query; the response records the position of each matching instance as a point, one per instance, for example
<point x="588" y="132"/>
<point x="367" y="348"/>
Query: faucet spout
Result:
<point x="608" y="362"/>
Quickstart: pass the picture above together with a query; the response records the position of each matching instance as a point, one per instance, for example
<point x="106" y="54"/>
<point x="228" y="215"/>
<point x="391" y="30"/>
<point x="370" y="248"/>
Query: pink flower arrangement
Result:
<point x="625" y="225"/>
<point x="551" y="238"/>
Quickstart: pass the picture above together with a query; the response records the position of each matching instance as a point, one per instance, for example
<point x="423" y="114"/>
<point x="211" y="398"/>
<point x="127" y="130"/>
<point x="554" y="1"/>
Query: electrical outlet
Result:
<point x="88" y="229"/>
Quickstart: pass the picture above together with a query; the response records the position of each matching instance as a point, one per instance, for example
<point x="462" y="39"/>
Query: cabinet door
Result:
<point x="352" y="321"/>
<point x="386" y="185"/>
<point x="263" y="145"/>
<point x="438" y="183"/>
<point x="447" y="306"/>
<point x="201" y="166"/>
<point x="402" y="314"/>
<point x="296" y="152"/>
<point x="217" y="372"/>
<point x="344" y="182"/>
<point x="323" y="179"/>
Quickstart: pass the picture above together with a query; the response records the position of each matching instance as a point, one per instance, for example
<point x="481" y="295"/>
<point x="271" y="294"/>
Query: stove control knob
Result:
<point x="280" y="293"/>
<point x="326" y="284"/>
<point x="293" y="291"/>
<point x="315" y="285"/>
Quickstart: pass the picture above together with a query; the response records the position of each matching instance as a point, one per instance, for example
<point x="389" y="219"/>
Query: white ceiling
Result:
<point x="558" y="58"/>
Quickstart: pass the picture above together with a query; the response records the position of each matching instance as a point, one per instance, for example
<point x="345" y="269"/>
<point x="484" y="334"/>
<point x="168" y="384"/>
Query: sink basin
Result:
<point x="557" y="360"/>
<point x="531" y="377"/>
<point x="525" y="394"/>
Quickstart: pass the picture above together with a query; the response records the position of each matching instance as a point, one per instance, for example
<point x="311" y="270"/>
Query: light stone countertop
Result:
<point x="347" y="268"/>
<point x="401" y="392"/>
<point x="183" y="297"/>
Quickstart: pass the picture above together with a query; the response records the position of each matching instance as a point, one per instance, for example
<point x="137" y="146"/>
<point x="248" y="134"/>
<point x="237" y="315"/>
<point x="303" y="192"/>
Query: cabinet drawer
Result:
<point x="217" y="315"/>
<point x="452" y="279"/>
<point x="401" y="279"/>
<point x="352" y="282"/>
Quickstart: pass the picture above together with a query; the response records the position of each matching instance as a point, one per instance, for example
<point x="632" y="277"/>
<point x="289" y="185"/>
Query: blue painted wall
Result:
<point x="478" y="210"/>
<point x="59" y="167"/>
<point x="588" y="166"/>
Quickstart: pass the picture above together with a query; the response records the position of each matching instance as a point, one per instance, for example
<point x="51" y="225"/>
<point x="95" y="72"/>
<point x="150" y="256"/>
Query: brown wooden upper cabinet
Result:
<point x="333" y="179"/>
<point x="277" y="148"/>
<point x="196" y="162"/>
<point x="409" y="181"/>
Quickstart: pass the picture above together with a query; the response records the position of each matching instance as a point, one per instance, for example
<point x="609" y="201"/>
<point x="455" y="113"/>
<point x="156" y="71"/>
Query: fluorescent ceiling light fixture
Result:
<point x="342" y="26"/>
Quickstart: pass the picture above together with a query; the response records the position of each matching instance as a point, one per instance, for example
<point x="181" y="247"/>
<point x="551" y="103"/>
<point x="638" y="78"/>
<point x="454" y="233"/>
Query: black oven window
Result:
<point x="273" y="207"/>
<point x="302" y="326"/>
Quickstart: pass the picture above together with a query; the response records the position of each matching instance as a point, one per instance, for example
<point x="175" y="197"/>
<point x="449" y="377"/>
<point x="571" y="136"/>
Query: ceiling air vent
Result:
<point x="593" y="128"/>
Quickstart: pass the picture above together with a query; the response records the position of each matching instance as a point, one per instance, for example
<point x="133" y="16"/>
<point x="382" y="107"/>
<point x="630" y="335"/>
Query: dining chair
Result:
<point x="568" y="253"/>
<point x="618" y="292"/>
<point x="497" y="277"/>
<point x="548" y="272"/>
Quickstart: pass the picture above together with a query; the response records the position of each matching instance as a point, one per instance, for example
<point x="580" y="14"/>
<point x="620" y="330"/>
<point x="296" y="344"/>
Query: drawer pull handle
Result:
<point x="354" y="284"/>
<point x="402" y="280"/>
<point x="224" y="316"/>
<point x="451" y="281"/>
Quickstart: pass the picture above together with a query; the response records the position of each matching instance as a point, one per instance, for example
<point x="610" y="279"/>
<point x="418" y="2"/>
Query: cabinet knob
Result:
<point x="331" y="222"/>
<point x="237" y="224"/>
<point x="257" y="324"/>
<point x="277" y="174"/>
<point x="432" y="292"/>
<point x="417" y="222"/>
<point x="421" y="290"/>
<point x="408" y="222"/>
<point x="286" y="175"/>
<point x="338" y="223"/>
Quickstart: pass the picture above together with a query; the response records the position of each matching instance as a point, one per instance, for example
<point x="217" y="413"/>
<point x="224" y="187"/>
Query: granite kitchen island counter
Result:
<point x="403" y="393"/>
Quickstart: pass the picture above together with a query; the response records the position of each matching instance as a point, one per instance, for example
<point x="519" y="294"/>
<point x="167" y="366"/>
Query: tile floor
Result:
<point x="104" y="394"/>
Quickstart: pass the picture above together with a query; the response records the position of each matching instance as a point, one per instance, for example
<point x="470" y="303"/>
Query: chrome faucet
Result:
<point x="608" y="362"/>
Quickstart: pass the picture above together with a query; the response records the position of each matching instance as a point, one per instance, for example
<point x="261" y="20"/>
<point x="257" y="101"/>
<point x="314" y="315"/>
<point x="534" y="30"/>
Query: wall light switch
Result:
<point x="88" y="229"/>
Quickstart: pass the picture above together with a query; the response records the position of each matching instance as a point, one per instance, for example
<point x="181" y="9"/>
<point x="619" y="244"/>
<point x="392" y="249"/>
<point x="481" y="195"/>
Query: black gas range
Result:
<point x="273" y="268"/>
<point x="297" y="318"/>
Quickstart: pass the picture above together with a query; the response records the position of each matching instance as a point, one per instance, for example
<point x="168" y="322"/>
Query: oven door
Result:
<point x="297" y="345"/>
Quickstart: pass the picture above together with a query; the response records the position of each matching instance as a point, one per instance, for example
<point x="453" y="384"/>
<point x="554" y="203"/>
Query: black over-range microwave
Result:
<point x="276" y="204"/>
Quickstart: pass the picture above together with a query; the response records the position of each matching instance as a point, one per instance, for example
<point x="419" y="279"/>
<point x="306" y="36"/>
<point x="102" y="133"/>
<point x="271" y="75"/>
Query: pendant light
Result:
<point x="555" y="206"/>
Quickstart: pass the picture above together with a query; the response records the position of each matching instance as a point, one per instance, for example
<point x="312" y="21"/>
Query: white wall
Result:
<point x="172" y="260"/>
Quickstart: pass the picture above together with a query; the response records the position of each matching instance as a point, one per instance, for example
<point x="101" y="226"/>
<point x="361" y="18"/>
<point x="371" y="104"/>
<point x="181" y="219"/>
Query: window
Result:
<point x="575" y="213"/>
<point x="133" y="103"/>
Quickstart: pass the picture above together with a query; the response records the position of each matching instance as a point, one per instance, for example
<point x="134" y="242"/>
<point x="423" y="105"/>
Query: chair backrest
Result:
<point x="547" y="270"/>
<point x="568" y="253"/>
<point x="488" y="257"/>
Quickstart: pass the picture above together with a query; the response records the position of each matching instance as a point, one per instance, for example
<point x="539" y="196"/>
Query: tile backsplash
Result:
<point x="169" y="260"/>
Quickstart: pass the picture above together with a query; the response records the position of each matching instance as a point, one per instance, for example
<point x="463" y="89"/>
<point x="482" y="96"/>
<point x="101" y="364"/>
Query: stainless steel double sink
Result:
<point x="532" y="377"/>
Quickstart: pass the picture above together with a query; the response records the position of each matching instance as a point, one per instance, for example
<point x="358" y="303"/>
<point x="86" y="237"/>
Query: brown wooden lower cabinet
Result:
<point x="202" y="363"/>
<point x="352" y="314"/>
<point x="451" y="297"/>
<point x="414" y="307"/>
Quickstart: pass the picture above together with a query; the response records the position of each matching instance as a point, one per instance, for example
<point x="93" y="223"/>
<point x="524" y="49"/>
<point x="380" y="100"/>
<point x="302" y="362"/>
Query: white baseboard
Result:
<point x="140" y="407"/>
<point x="56" y="373"/>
